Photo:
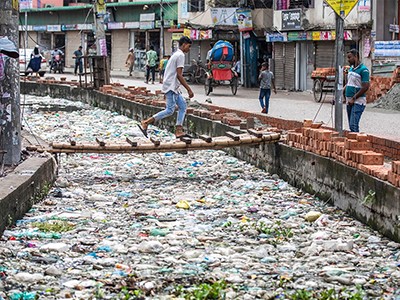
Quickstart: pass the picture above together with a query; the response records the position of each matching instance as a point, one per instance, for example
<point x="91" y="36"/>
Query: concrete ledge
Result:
<point x="370" y="200"/>
<point x="26" y="185"/>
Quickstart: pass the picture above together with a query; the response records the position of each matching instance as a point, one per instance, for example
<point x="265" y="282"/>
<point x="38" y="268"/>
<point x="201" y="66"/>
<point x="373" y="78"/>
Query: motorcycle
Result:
<point x="195" y="73"/>
<point x="57" y="64"/>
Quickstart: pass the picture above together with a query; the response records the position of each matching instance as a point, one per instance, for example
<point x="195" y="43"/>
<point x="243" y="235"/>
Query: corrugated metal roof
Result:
<point x="88" y="6"/>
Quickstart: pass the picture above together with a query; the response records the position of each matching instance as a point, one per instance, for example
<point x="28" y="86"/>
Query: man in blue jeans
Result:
<point x="266" y="79"/>
<point x="355" y="89"/>
<point x="173" y="79"/>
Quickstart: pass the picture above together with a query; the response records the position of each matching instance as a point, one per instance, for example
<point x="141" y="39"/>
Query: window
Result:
<point x="289" y="4"/>
<point x="263" y="3"/>
<point x="196" y="5"/>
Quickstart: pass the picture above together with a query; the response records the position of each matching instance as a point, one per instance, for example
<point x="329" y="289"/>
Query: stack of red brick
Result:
<point x="394" y="174"/>
<point x="379" y="86"/>
<point x="354" y="150"/>
<point x="323" y="72"/>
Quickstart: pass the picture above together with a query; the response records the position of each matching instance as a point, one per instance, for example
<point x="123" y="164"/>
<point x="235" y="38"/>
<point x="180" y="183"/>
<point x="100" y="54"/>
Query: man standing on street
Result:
<point x="355" y="89"/>
<point x="130" y="61"/>
<point x="173" y="78"/>
<point x="151" y="56"/>
<point x="78" y="60"/>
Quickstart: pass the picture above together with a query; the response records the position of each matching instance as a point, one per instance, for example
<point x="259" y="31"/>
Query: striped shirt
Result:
<point x="355" y="78"/>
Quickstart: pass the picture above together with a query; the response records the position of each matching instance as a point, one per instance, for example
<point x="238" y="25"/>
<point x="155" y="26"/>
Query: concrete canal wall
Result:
<point x="369" y="199"/>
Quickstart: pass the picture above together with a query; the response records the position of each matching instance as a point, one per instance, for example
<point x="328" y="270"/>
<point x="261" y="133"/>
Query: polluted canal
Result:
<point x="170" y="226"/>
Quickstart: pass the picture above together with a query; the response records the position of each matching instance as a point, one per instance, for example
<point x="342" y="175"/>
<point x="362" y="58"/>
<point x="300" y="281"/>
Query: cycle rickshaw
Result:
<point x="220" y="68"/>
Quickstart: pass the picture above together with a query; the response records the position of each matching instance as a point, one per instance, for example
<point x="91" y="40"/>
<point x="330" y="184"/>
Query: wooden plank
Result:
<point x="255" y="133"/>
<point x="100" y="142"/>
<point x="206" y="138"/>
<point x="155" y="141"/>
<point x="131" y="142"/>
<point x="232" y="135"/>
<point x="186" y="140"/>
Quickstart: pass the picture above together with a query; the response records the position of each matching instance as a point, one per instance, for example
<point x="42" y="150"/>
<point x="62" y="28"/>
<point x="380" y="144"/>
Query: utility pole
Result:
<point x="10" y="122"/>
<point x="99" y="13"/>
<point x="339" y="49"/>
<point x="161" y="29"/>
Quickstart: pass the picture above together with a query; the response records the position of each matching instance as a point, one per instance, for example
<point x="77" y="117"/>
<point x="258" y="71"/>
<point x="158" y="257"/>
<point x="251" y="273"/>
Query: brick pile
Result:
<point x="323" y="72"/>
<point x="379" y="86"/>
<point x="354" y="150"/>
<point x="394" y="174"/>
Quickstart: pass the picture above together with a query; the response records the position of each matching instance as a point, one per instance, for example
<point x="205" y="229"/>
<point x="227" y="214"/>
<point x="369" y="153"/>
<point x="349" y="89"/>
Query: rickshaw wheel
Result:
<point x="207" y="86"/>
<point x="317" y="89"/>
<point x="234" y="85"/>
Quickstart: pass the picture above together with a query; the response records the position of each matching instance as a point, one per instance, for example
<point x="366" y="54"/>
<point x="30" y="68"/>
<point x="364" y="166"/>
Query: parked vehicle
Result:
<point x="196" y="72"/>
<point x="57" y="64"/>
<point x="221" y="65"/>
<point x="24" y="59"/>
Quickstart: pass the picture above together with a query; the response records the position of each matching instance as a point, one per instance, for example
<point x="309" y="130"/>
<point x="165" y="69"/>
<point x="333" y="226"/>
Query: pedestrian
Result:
<point x="130" y="61"/>
<point x="355" y="89"/>
<point x="163" y="65"/>
<point x="173" y="79"/>
<point x="208" y="56"/>
<point x="267" y="80"/>
<point x="35" y="61"/>
<point x="236" y="69"/>
<point x="151" y="57"/>
<point x="78" y="60"/>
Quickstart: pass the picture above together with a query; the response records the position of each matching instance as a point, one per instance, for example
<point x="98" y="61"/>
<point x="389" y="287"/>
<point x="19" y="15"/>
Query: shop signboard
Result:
<point x="297" y="36"/>
<point x="132" y="25"/>
<point x="387" y="48"/>
<point x="25" y="4"/>
<point x="147" y="17"/>
<point x="291" y="19"/>
<point x="53" y="28"/>
<point x="224" y="16"/>
<point x="329" y="35"/>
<point x="68" y="27"/>
<point x="364" y="5"/>
<point x="244" y="19"/>
<point x="84" y="26"/>
<point x="394" y="28"/>
<point x="276" y="37"/>
<point x="115" y="25"/>
<point x="176" y="36"/>
<point x="146" y="25"/>
<point x="39" y="27"/>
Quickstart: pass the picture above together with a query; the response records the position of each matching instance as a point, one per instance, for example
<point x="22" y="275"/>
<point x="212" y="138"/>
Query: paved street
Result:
<point x="286" y="105"/>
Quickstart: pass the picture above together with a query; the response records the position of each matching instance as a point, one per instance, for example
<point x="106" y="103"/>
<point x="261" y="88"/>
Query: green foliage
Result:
<point x="204" y="291"/>
<point x="331" y="294"/>
<point x="301" y="295"/>
<point x="127" y="294"/>
<point x="369" y="198"/>
<point x="54" y="226"/>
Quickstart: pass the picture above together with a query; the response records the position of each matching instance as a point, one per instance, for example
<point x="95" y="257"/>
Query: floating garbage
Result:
<point x="165" y="226"/>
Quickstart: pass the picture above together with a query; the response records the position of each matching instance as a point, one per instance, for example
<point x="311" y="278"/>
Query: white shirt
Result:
<point x="171" y="82"/>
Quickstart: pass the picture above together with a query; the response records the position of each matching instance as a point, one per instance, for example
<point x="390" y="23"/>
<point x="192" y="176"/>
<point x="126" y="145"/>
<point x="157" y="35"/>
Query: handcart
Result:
<point x="220" y="68"/>
<point x="324" y="81"/>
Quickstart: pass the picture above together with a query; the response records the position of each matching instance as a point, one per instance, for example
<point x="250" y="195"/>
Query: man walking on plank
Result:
<point x="173" y="79"/>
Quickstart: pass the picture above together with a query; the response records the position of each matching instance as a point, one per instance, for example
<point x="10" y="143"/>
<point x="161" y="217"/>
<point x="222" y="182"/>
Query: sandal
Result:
<point x="144" y="131"/>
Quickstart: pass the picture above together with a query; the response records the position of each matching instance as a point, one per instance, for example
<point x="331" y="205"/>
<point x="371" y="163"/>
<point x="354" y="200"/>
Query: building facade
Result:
<point x="295" y="36"/>
<point x="135" y="24"/>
